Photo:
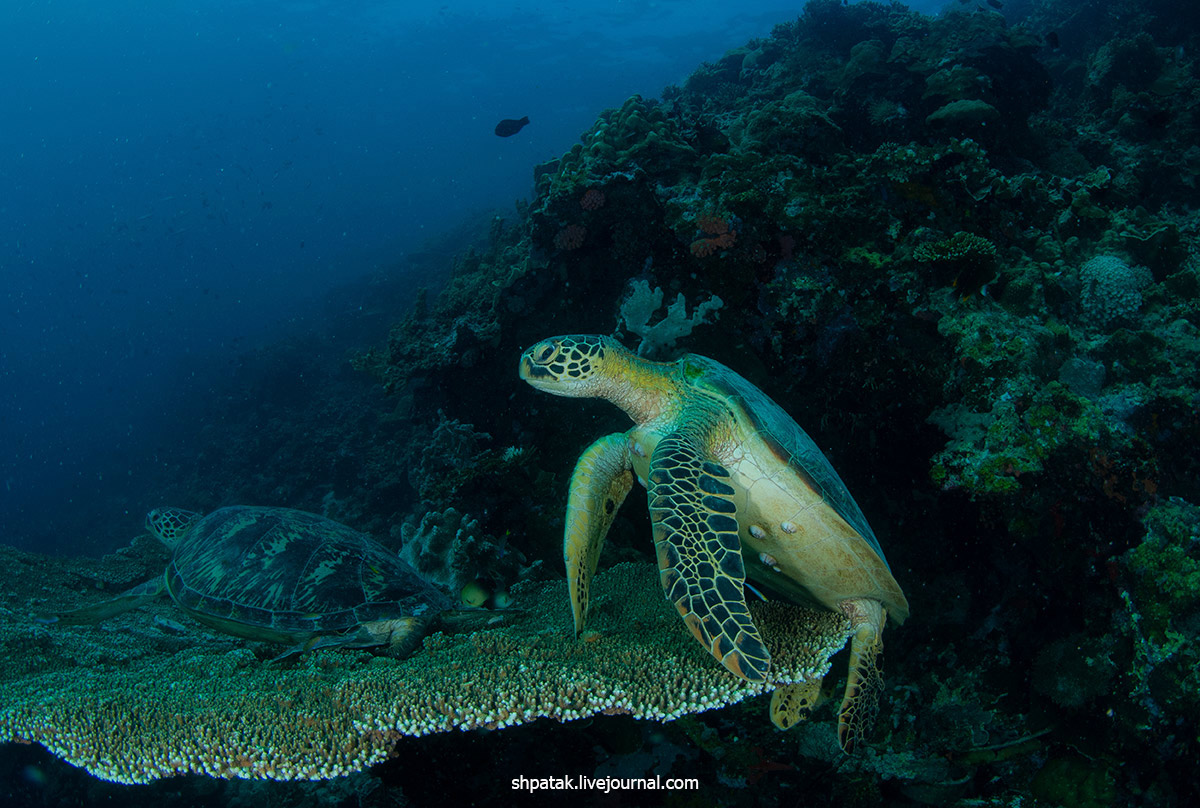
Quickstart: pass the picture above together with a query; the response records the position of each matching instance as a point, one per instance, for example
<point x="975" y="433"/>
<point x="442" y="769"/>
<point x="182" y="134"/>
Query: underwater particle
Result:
<point x="510" y="126"/>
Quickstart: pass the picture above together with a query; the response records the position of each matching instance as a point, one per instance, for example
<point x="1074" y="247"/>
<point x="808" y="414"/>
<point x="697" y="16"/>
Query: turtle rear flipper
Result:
<point x="601" y="481"/>
<point x="699" y="555"/>
<point x="790" y="704"/>
<point x="864" y="683"/>
<point x="131" y="599"/>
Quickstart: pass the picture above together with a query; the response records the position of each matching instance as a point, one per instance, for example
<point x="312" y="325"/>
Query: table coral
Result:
<point x="227" y="714"/>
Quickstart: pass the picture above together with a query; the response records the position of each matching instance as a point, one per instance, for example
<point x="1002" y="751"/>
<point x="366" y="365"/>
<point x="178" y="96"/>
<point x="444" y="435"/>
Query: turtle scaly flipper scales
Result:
<point x="699" y="555"/>
<point x="790" y="704"/>
<point x="128" y="600"/>
<point x="599" y="484"/>
<point x="864" y="684"/>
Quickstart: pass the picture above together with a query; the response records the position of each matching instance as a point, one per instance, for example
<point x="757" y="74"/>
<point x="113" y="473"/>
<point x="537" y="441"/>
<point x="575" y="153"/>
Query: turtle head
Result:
<point x="169" y="525"/>
<point x="579" y="365"/>
<point x="595" y="366"/>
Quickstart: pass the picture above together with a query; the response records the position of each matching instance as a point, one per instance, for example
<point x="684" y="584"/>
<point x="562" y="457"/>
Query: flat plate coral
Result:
<point x="138" y="699"/>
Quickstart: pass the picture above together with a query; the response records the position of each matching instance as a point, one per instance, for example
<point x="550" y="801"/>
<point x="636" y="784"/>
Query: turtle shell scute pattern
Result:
<point x="789" y="442"/>
<point x="293" y="572"/>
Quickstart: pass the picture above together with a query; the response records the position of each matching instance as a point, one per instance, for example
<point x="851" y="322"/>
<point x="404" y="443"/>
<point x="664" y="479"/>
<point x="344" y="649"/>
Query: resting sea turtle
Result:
<point x="736" y="488"/>
<point x="283" y="576"/>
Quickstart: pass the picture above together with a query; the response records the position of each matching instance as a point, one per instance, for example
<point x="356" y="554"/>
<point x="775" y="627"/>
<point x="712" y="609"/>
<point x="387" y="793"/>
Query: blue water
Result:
<point x="182" y="181"/>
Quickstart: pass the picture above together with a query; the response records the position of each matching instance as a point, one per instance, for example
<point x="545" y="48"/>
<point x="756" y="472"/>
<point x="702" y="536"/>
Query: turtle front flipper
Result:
<point x="700" y="557"/>
<point x="864" y="684"/>
<point x="131" y="599"/>
<point x="401" y="636"/>
<point x="601" y="481"/>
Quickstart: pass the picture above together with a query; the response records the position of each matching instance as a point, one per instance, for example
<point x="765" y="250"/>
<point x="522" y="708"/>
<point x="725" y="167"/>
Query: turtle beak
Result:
<point x="536" y="361"/>
<point x="537" y="375"/>
<point x="526" y="366"/>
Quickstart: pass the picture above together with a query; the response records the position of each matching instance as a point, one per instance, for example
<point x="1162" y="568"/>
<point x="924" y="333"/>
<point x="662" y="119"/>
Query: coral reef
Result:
<point x="963" y="254"/>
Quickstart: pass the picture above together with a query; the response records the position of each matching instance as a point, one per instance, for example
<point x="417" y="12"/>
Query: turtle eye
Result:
<point x="545" y="353"/>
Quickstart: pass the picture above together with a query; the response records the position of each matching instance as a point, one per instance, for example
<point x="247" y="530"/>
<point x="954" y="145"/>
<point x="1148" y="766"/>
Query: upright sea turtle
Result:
<point x="283" y="576"/>
<point x="736" y="488"/>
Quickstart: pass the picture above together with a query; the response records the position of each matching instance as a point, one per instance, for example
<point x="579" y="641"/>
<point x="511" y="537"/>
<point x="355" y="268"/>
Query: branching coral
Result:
<point x="965" y="259"/>
<point x="959" y="247"/>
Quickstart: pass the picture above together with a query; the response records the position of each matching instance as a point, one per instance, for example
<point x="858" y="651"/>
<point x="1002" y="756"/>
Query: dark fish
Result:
<point x="509" y="127"/>
<point x="1052" y="40"/>
<point x="995" y="3"/>
<point x="974" y="280"/>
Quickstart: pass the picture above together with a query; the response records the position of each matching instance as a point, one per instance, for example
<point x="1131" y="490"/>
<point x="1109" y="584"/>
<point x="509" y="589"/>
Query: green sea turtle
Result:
<point x="736" y="489"/>
<point x="283" y="576"/>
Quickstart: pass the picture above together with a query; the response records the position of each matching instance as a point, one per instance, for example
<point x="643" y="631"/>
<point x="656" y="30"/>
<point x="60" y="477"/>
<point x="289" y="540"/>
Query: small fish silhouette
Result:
<point x="509" y="126"/>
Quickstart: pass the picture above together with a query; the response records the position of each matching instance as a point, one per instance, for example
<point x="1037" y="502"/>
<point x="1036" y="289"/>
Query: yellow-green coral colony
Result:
<point x="227" y="714"/>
